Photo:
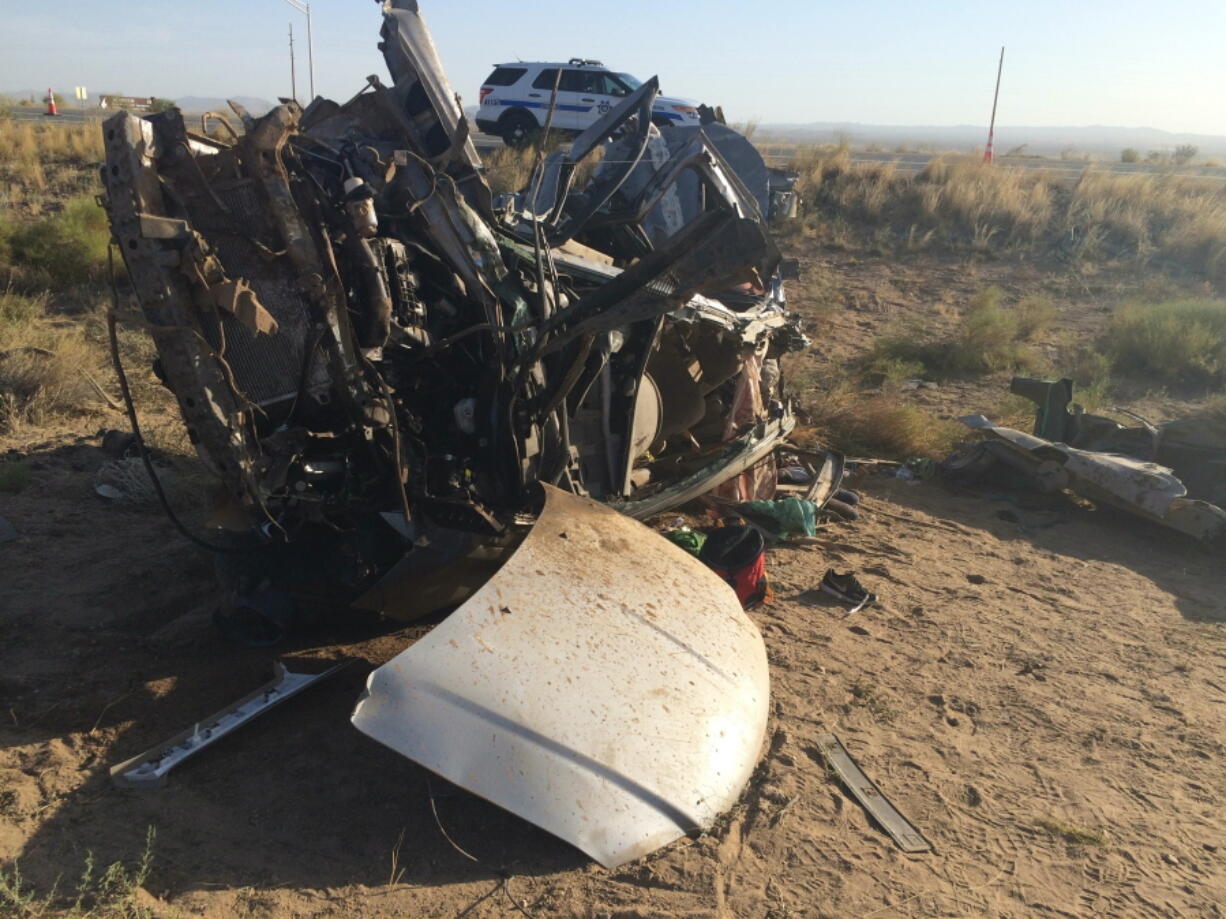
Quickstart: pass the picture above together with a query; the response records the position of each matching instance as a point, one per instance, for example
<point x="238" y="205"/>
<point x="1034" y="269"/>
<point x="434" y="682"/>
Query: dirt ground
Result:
<point x="849" y="298"/>
<point x="1041" y="689"/>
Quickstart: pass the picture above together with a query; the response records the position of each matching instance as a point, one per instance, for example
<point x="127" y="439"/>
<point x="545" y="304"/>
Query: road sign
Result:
<point x="131" y="103"/>
<point x="82" y="95"/>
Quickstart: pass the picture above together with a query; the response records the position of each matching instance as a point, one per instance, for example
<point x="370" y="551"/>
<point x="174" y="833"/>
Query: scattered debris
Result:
<point x="1172" y="473"/>
<point x="846" y="588"/>
<point x="124" y="479"/>
<point x="738" y="555"/>
<point x="690" y="540"/>
<point x="110" y="492"/>
<point x="149" y="769"/>
<point x="908" y="838"/>
<point x="1139" y="487"/>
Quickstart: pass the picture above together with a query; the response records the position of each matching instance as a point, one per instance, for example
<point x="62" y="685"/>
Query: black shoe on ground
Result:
<point x="847" y="589"/>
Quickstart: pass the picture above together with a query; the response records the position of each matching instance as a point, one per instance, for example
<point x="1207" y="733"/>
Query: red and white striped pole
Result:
<point x="987" y="151"/>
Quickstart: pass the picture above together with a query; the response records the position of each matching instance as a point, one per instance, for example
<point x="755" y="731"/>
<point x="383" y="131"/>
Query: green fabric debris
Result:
<point x="691" y="541"/>
<point x="786" y="517"/>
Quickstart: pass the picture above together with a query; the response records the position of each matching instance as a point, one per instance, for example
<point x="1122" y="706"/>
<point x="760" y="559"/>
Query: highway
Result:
<point x="908" y="164"/>
<point x="780" y="154"/>
<point x="38" y="113"/>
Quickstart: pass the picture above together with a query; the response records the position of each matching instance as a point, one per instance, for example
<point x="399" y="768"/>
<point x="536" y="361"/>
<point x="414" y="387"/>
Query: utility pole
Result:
<point x="293" y="78"/>
<point x="304" y="6"/>
<point x="987" y="152"/>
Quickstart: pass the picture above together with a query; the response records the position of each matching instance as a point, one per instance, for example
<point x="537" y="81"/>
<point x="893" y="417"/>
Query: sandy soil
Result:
<point x="850" y="298"/>
<point x="1041" y="690"/>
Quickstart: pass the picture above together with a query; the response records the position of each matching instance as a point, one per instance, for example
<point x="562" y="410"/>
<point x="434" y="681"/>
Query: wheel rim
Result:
<point x="517" y="134"/>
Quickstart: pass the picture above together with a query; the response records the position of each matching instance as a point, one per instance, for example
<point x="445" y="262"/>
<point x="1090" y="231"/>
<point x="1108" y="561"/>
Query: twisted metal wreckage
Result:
<point x="415" y="397"/>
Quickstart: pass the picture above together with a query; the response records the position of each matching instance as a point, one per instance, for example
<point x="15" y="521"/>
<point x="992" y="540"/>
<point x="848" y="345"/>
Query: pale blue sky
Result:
<point x="1126" y="62"/>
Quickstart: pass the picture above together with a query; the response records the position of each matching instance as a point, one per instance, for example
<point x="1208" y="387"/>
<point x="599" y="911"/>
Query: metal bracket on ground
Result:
<point x="149" y="769"/>
<point x="908" y="838"/>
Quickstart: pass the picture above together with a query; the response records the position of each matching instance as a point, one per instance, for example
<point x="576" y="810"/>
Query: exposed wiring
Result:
<point x="112" y="327"/>
<point x="444" y="343"/>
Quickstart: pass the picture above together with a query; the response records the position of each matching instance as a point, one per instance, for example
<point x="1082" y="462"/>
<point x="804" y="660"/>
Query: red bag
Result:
<point x="738" y="555"/>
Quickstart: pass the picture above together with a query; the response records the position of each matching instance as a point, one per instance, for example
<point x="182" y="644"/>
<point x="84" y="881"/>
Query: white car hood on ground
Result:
<point x="604" y="685"/>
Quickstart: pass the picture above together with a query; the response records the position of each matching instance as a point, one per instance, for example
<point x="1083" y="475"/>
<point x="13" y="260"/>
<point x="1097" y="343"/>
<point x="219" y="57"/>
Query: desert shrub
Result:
<point x="45" y="369"/>
<point x="1185" y="153"/>
<point x="1129" y="155"/>
<point x="880" y="425"/>
<point x="114" y="892"/>
<point x="1090" y="371"/>
<point x="1034" y="315"/>
<point x="66" y="248"/>
<point x="987" y="339"/>
<point x="1176" y="341"/>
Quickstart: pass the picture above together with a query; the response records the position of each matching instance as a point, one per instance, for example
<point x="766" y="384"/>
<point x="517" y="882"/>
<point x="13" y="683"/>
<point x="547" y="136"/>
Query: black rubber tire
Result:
<point x="518" y="129"/>
<point x="847" y="497"/>
<point x="841" y="510"/>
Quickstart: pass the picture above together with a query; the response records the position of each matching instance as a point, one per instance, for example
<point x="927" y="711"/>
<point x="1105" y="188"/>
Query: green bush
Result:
<point x="1034" y="315"/>
<point x="64" y="249"/>
<point x="989" y="338"/>
<point x="1177" y="341"/>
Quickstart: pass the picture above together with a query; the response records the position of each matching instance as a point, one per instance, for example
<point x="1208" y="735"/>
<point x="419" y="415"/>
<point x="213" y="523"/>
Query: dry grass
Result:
<point x="1073" y="835"/>
<point x="46" y="364"/>
<point x="1173" y="222"/>
<point x="878" y="424"/>
<point x="43" y="162"/>
<point x="31" y="141"/>
<point x="1170" y="219"/>
<point x="508" y="170"/>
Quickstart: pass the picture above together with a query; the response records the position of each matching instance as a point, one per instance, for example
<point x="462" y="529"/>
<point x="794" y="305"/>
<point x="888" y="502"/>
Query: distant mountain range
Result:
<point x="1039" y="139"/>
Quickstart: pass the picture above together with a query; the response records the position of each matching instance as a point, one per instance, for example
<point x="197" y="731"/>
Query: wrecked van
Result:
<point x="415" y="399"/>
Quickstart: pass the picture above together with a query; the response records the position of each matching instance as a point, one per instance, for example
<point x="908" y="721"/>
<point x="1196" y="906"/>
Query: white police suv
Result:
<point x="515" y="99"/>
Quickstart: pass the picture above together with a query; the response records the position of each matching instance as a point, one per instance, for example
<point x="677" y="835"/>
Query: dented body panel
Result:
<point x="604" y="685"/>
<point x="1139" y="487"/>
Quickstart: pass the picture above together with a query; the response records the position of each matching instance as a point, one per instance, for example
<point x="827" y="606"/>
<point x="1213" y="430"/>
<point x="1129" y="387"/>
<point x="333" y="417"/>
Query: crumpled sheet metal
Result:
<point x="1133" y="485"/>
<point x="603" y="685"/>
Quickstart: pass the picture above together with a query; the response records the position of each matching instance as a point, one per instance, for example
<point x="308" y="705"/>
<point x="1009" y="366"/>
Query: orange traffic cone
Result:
<point x="51" y="110"/>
